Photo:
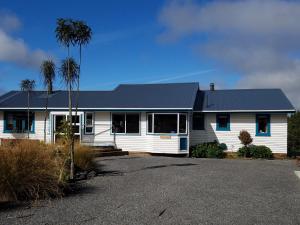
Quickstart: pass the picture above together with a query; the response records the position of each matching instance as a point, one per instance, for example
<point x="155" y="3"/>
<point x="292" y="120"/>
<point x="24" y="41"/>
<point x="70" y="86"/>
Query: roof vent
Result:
<point x="212" y="86"/>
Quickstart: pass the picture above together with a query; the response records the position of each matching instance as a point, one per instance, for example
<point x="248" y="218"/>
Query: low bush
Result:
<point x="34" y="170"/>
<point x="244" y="152"/>
<point x="28" y="171"/>
<point x="84" y="159"/>
<point x="214" y="151"/>
<point x="208" y="150"/>
<point x="254" y="151"/>
<point x="261" y="151"/>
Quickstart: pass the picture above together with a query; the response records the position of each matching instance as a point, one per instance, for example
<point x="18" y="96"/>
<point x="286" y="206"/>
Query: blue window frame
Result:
<point x="223" y="122"/>
<point x="263" y="126"/>
<point x="17" y="122"/>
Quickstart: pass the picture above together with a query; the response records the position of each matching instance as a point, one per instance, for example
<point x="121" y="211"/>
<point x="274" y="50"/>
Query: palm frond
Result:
<point x="48" y="74"/>
<point x="83" y="33"/>
<point x="27" y="85"/>
<point x="65" y="32"/>
<point x="69" y="70"/>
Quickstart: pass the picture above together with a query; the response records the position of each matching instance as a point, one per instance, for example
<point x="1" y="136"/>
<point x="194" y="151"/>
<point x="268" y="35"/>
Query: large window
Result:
<point x="17" y="122"/>
<point x="263" y="127"/>
<point x="126" y="123"/>
<point x="223" y="122"/>
<point x="167" y="123"/>
<point x="198" y="121"/>
<point x="89" y="123"/>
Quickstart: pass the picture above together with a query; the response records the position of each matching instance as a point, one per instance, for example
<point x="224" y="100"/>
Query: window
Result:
<point x="132" y="123"/>
<point x="89" y="123"/>
<point x="167" y="123"/>
<point x="128" y="123"/>
<point x="150" y="123"/>
<point x="198" y="121"/>
<point x="182" y="123"/>
<point x="17" y="122"/>
<point x="223" y="122"/>
<point x="263" y="127"/>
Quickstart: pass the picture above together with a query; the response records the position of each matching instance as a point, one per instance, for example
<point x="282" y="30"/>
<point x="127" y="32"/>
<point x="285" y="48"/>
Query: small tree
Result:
<point x="28" y="86"/>
<point x="245" y="138"/>
<point x="294" y="134"/>
<point x="48" y="75"/>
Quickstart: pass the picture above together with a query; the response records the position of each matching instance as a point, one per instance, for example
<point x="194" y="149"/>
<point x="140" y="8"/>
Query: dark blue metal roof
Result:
<point x="243" y="100"/>
<point x="131" y="96"/>
<point x="157" y="96"/>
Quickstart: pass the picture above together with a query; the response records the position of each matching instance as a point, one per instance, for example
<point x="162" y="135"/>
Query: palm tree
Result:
<point x="48" y="75"/>
<point x="28" y="86"/>
<point x="70" y="71"/>
<point x="65" y="35"/>
<point x="82" y="35"/>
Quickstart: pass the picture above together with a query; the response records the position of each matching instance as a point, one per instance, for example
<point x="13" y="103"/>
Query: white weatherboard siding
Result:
<point x="38" y="130"/>
<point x="277" y="142"/>
<point x="142" y="142"/>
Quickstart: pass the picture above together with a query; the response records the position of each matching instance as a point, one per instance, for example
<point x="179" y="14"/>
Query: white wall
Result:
<point x="277" y="142"/>
<point x="39" y="128"/>
<point x="142" y="142"/>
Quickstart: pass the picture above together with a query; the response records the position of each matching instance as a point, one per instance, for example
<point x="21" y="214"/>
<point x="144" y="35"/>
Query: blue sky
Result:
<point x="236" y="44"/>
<point x="124" y="49"/>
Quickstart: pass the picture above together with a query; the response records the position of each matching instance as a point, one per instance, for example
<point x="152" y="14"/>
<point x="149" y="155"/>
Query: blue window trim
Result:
<point x="227" y="128"/>
<point x="183" y="144"/>
<point x="9" y="131"/>
<point x="268" y="134"/>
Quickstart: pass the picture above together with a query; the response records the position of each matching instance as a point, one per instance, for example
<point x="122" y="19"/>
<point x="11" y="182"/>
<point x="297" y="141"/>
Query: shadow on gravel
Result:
<point x="169" y="165"/>
<point x="110" y="173"/>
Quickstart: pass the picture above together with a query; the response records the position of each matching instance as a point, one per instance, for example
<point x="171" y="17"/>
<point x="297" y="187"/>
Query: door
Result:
<point x="59" y="121"/>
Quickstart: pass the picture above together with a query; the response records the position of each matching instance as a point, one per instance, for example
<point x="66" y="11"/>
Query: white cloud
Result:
<point x="9" y="21"/>
<point x="15" y="50"/>
<point x="257" y="38"/>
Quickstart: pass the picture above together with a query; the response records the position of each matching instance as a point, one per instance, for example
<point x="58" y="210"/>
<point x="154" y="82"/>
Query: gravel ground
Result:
<point x="164" y="190"/>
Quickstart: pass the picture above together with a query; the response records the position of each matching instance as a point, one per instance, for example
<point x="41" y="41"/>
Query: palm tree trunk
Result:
<point x="46" y="115"/>
<point x="71" y="145"/>
<point x="28" y="114"/>
<point x="78" y="80"/>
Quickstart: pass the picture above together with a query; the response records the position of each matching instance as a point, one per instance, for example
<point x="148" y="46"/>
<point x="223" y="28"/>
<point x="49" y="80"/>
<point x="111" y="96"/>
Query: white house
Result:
<point x="154" y="118"/>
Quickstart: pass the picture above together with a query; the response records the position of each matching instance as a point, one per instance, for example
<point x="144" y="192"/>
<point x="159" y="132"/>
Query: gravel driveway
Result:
<point x="164" y="190"/>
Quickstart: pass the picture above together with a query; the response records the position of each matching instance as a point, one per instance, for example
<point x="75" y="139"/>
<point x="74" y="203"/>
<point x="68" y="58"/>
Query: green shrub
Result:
<point x="223" y="146"/>
<point x="199" y="151"/>
<point x="256" y="152"/>
<point x="244" y="152"/>
<point x="214" y="151"/>
<point x="261" y="151"/>
<point x="208" y="150"/>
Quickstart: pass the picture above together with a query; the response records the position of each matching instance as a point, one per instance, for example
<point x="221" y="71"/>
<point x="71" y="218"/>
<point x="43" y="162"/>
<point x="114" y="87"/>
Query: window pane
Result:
<point x="89" y="130"/>
<point x="132" y="123"/>
<point x="182" y="123"/>
<point x="75" y="119"/>
<point x="18" y="121"/>
<point x="59" y="120"/>
<point x="75" y="129"/>
<point x="150" y="123"/>
<point x="118" y="123"/>
<point x="262" y="124"/>
<point x="165" y="123"/>
<point x="89" y="119"/>
<point x="198" y="121"/>
<point x="223" y="121"/>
